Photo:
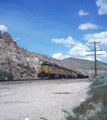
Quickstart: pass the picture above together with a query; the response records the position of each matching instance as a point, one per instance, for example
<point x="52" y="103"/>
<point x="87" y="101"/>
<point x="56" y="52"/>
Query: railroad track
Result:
<point x="43" y="81"/>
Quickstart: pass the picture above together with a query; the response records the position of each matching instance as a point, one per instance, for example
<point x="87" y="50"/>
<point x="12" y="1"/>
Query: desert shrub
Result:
<point x="99" y="81"/>
<point x="73" y="118"/>
<point x="84" y="106"/>
<point x="98" y="93"/>
<point x="4" y="75"/>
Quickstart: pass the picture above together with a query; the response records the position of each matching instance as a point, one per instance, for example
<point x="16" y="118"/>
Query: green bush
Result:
<point x="4" y="75"/>
<point x="84" y="106"/>
<point x="99" y="81"/>
<point x="24" y="78"/>
<point x="73" y="118"/>
<point x="98" y="94"/>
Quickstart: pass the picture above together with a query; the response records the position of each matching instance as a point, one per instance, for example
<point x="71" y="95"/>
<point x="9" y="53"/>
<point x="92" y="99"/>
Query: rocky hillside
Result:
<point x="85" y="67"/>
<point x="24" y="63"/>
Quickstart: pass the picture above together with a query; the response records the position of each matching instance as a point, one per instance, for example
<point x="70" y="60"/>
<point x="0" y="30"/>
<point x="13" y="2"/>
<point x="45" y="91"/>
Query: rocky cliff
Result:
<point x="18" y="59"/>
<point x="24" y="63"/>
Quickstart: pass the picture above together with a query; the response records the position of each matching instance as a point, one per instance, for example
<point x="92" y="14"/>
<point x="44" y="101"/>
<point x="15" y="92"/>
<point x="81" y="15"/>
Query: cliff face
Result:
<point x="24" y="63"/>
<point x="18" y="59"/>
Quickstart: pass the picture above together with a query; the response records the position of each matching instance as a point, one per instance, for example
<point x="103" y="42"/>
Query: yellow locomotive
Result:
<point x="51" y="70"/>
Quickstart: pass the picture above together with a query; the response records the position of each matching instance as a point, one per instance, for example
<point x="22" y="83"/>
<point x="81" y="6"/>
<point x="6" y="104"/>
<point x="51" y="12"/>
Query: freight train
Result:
<point x="50" y="70"/>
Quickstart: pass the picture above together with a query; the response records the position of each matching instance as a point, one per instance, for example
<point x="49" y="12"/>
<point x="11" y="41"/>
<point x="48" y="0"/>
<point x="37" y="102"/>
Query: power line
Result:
<point x="95" y="54"/>
<point x="76" y="10"/>
<point x="74" y="16"/>
<point x="77" y="15"/>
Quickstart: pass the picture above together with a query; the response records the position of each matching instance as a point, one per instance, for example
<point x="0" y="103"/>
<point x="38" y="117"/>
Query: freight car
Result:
<point x="51" y="70"/>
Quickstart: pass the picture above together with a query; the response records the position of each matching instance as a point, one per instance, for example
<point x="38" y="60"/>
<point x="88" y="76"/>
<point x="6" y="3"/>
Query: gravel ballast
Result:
<point x="41" y="100"/>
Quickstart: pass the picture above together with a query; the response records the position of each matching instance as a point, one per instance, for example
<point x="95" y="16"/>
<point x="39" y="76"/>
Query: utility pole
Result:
<point x="94" y="54"/>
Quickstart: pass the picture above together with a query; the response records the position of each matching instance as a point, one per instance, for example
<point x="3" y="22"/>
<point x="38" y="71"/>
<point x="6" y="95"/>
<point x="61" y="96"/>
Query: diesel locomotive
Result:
<point x="51" y="70"/>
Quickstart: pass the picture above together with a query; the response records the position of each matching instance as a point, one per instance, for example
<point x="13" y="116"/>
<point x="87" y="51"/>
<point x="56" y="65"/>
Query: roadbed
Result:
<point x="41" y="100"/>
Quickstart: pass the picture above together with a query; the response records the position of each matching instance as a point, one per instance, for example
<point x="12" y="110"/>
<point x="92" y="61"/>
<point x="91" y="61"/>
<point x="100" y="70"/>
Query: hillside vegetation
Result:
<point x="95" y="107"/>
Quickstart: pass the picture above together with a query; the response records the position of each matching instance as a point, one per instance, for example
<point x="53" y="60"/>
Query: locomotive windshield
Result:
<point x="45" y="68"/>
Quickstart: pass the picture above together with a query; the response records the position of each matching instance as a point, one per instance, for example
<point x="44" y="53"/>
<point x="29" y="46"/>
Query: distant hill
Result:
<point x="86" y="67"/>
<point x="24" y="63"/>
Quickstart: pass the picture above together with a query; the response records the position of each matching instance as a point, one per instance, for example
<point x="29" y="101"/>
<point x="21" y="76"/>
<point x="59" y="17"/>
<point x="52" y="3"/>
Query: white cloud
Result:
<point x="78" y="50"/>
<point x="59" y="56"/>
<point x="67" y="41"/>
<point x="68" y="45"/>
<point x="89" y="58"/>
<point x="17" y="38"/>
<point x="100" y="57"/>
<point x="102" y="4"/>
<point x="87" y="26"/>
<point x="104" y="56"/>
<point x="82" y="13"/>
<point x="3" y="28"/>
<point x="98" y="37"/>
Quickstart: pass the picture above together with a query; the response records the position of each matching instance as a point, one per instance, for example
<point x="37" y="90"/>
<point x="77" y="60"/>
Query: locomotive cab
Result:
<point x="45" y="70"/>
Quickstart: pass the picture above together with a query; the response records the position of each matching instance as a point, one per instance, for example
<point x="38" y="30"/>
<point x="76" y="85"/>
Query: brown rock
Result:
<point x="1" y="36"/>
<point x="7" y="37"/>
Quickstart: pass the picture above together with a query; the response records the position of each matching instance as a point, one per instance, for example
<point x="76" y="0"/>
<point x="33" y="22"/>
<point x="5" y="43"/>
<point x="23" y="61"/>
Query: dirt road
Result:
<point x="37" y="100"/>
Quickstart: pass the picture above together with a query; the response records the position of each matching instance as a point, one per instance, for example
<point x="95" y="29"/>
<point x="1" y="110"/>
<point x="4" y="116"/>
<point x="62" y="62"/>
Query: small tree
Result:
<point x="5" y="75"/>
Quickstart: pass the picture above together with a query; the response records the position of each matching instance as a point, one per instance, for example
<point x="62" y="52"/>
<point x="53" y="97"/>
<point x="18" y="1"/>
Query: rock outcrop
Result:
<point x="24" y="63"/>
<point x="15" y="58"/>
<point x="1" y="36"/>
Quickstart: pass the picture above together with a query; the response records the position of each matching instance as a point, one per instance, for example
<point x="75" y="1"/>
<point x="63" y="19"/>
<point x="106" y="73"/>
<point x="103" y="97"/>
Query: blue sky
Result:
<point x="58" y="28"/>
